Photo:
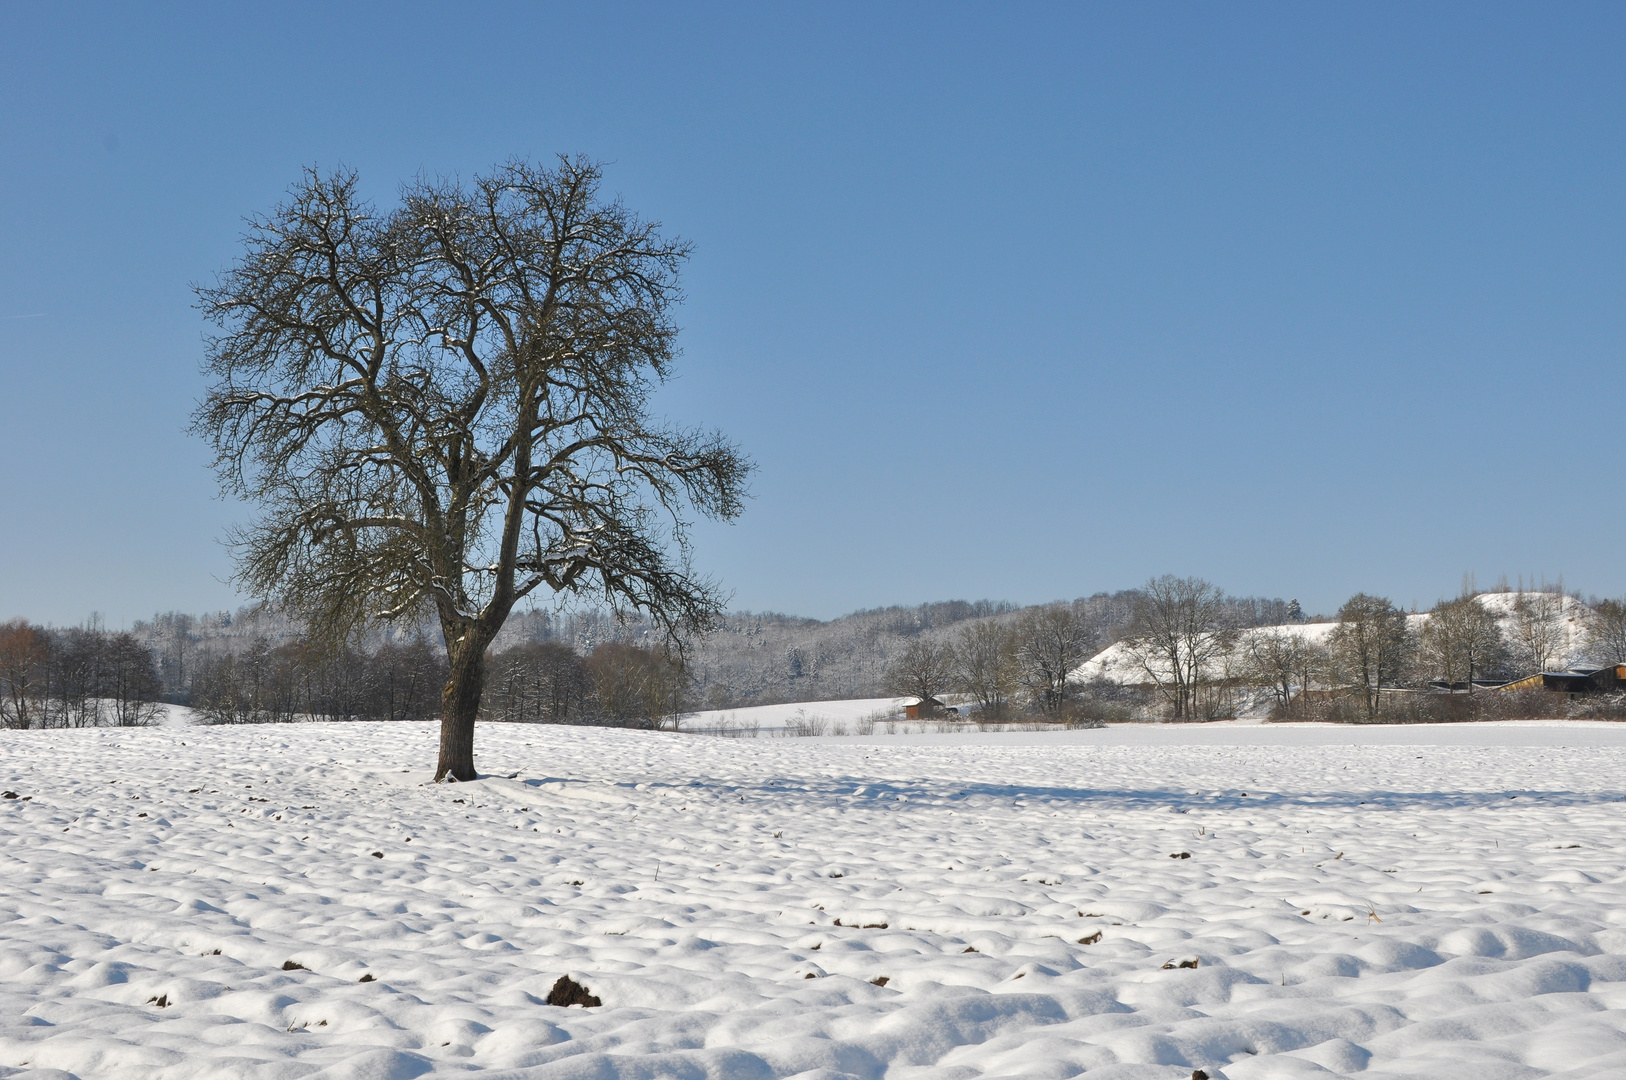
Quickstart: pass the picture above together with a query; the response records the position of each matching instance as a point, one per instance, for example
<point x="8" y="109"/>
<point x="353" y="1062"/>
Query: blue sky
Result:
<point x="1018" y="302"/>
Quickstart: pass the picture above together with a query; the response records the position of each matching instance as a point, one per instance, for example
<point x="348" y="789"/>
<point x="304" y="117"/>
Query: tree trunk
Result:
<point x="459" y="705"/>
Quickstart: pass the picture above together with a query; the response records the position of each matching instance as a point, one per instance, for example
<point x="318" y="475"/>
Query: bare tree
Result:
<point x="130" y="681"/>
<point x="1051" y="643"/>
<point x="447" y="405"/>
<point x="1538" y="628"/>
<point x="25" y="658"/>
<point x="538" y="682"/>
<point x="171" y="635"/>
<point x="1370" y="645"/>
<point x="1280" y="659"/>
<point x="406" y="681"/>
<point x="986" y="665"/>
<point x="330" y="681"/>
<point x="78" y="662"/>
<point x="254" y="686"/>
<point x="924" y="670"/>
<point x="634" y="686"/>
<point x="1606" y="632"/>
<point x="1461" y="640"/>
<point x="1179" y="632"/>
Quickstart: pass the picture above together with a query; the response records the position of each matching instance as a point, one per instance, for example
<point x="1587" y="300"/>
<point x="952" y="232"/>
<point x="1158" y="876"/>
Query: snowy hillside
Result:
<point x="1571" y="620"/>
<point x="1118" y="664"/>
<point x="1134" y="902"/>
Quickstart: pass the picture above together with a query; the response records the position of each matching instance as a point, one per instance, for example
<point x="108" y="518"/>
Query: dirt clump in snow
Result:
<point x="567" y="992"/>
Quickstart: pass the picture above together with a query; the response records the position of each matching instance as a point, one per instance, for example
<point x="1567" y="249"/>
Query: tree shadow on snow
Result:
<point x="878" y="793"/>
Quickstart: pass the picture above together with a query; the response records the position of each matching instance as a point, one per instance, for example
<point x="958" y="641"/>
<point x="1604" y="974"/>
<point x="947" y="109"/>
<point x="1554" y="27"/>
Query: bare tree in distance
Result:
<point x="446" y="405"/>
<point x="1180" y="629"/>
<point x="25" y="657"/>
<point x="130" y="681"/>
<point x="537" y="682"/>
<point x="254" y="686"/>
<point x="171" y="636"/>
<point x="1606" y="632"/>
<point x="1460" y="641"/>
<point x="1370" y="644"/>
<point x="634" y="686"/>
<point x="1051" y="643"/>
<point x="1280" y="659"/>
<point x="1315" y="663"/>
<point x="79" y="675"/>
<point x="986" y="665"/>
<point x="925" y="670"/>
<point x="1538" y="627"/>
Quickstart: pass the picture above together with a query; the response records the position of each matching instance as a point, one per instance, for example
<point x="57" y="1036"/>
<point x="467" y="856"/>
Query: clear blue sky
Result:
<point x="1013" y="302"/>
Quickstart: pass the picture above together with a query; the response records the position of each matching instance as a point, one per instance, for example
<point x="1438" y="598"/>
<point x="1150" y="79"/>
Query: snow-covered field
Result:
<point x="1438" y="902"/>
<point x="846" y="717"/>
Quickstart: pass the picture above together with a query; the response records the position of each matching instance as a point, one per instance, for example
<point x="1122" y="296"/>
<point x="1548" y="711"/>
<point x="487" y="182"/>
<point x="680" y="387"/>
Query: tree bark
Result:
<point x="459" y="705"/>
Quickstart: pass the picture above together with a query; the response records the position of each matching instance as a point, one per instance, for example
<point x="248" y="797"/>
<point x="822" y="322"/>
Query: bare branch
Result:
<point x="447" y="402"/>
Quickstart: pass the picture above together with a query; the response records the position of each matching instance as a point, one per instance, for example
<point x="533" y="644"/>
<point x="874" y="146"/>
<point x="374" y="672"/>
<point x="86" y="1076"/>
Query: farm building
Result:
<point x="927" y="709"/>
<point x="1575" y="681"/>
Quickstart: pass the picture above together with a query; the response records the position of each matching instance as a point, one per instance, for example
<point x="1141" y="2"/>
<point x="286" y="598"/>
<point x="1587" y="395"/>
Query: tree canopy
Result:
<point x="446" y="405"/>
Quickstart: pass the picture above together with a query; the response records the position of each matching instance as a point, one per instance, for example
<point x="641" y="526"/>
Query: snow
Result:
<point x="1117" y="663"/>
<point x="774" y="719"/>
<point x="1571" y="621"/>
<point x="1440" y="902"/>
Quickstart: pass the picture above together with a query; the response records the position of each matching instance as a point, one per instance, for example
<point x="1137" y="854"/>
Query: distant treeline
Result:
<point x="267" y="683"/>
<point x="88" y="677"/>
<point x="256" y="664"/>
<point x="533" y="682"/>
<point x="78" y="677"/>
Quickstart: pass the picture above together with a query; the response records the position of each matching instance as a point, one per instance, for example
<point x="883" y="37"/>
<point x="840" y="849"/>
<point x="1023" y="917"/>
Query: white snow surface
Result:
<point x="154" y="883"/>
<point x="774" y="718"/>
